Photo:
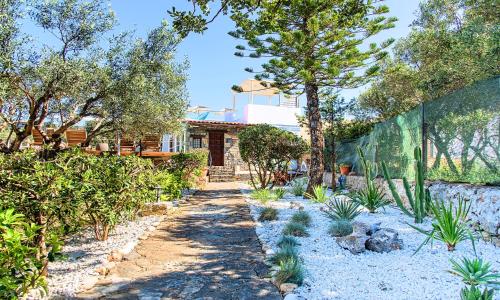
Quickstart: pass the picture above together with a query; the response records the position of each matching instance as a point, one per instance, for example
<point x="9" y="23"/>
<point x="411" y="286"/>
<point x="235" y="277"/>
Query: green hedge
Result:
<point x="59" y="195"/>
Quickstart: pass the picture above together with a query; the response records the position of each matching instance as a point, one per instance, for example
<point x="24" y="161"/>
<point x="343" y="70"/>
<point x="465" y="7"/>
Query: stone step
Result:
<point x="221" y="178"/>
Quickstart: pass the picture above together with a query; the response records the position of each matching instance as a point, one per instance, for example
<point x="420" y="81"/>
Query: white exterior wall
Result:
<point x="274" y="115"/>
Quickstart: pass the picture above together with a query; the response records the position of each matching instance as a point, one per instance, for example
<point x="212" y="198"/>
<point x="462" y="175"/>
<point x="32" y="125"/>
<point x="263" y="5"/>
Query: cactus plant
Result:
<point x="420" y="198"/>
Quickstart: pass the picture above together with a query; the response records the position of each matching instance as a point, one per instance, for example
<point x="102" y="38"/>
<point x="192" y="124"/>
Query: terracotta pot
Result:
<point x="344" y="170"/>
<point x="103" y="146"/>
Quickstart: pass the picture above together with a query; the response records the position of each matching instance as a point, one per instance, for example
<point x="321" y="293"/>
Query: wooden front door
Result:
<point x="216" y="147"/>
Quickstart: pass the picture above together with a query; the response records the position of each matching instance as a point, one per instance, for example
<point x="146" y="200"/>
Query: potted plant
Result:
<point x="344" y="168"/>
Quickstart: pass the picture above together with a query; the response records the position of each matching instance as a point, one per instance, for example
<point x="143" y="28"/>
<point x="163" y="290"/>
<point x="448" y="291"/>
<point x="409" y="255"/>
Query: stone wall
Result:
<point x="485" y="206"/>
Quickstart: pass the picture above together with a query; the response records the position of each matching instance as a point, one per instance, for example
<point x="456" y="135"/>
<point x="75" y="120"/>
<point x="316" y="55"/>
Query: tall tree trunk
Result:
<point x="317" y="166"/>
<point x="334" y="162"/>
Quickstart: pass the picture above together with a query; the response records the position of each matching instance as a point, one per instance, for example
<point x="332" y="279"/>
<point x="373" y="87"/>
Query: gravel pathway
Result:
<point x="335" y="273"/>
<point x="84" y="255"/>
<point x="209" y="251"/>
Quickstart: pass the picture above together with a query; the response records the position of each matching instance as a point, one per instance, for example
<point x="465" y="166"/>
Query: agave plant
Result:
<point x="475" y="272"/>
<point x="341" y="209"/>
<point x="372" y="197"/>
<point x="319" y="194"/>
<point x="420" y="199"/>
<point x="279" y="193"/>
<point x="450" y="225"/>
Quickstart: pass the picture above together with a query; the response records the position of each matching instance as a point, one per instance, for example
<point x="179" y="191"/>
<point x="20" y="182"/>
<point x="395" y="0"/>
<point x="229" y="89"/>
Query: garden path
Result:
<point x="209" y="250"/>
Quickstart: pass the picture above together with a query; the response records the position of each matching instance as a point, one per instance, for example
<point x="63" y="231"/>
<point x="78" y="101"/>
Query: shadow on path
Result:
<point x="209" y="251"/>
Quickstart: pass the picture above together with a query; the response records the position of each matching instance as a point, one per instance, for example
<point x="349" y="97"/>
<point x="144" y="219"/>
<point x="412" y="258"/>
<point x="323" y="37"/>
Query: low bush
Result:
<point x="262" y="195"/>
<point x="290" y="271"/>
<point x="279" y="193"/>
<point x="187" y="166"/>
<point x="110" y="190"/>
<point x="319" y="194"/>
<point x="341" y="209"/>
<point x="450" y="224"/>
<point x="287" y="240"/>
<point x="170" y="184"/>
<point x="295" y="229"/>
<point x="20" y="269"/>
<point x="340" y="228"/>
<point x="301" y="217"/>
<point x="286" y="252"/>
<point x="474" y="273"/>
<point x="268" y="214"/>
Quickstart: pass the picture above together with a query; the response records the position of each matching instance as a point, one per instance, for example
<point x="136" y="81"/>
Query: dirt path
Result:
<point x="209" y="251"/>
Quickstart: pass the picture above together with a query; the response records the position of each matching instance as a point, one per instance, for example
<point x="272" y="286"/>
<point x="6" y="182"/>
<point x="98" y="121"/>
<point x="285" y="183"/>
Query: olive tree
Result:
<point x="85" y="71"/>
<point x="268" y="150"/>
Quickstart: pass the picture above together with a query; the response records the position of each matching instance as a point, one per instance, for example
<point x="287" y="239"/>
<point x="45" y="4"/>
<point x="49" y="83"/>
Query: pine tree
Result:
<point x="313" y="45"/>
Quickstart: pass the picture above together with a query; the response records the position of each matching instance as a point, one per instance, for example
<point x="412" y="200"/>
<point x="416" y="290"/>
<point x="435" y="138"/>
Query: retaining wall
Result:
<point x="485" y="200"/>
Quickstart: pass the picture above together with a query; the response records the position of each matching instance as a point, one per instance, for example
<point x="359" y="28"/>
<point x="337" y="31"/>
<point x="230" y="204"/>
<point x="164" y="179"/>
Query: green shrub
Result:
<point x="341" y="209"/>
<point x="301" y="217"/>
<point x="475" y="273"/>
<point x="43" y="191"/>
<point x="478" y="174"/>
<point x="110" y="190"/>
<point x="295" y="229"/>
<point x="20" y="270"/>
<point x="286" y="252"/>
<point x="262" y="195"/>
<point x="171" y="185"/>
<point x="268" y="150"/>
<point x="187" y="166"/>
<point x="319" y="194"/>
<point x="299" y="186"/>
<point x="340" y="228"/>
<point x="279" y="193"/>
<point x="268" y="214"/>
<point x="287" y="240"/>
<point x="290" y="271"/>
<point x="450" y="225"/>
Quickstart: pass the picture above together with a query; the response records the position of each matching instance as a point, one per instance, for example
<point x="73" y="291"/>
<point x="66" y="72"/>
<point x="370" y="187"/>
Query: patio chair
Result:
<point x="151" y="143"/>
<point x="76" y="137"/>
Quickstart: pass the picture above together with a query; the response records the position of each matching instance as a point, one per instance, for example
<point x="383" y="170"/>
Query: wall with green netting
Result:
<point x="459" y="134"/>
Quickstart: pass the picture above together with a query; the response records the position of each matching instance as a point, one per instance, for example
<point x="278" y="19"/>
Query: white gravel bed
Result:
<point x="85" y="254"/>
<point x="334" y="273"/>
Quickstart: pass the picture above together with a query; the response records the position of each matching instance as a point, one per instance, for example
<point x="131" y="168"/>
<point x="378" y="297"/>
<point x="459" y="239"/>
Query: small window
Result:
<point x="196" y="142"/>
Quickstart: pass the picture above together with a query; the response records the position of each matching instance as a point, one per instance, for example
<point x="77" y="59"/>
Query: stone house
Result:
<point x="220" y="138"/>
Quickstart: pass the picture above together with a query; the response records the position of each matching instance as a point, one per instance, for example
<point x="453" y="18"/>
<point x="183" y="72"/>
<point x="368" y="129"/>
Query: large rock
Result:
<point x="355" y="242"/>
<point x="384" y="240"/>
<point x="364" y="228"/>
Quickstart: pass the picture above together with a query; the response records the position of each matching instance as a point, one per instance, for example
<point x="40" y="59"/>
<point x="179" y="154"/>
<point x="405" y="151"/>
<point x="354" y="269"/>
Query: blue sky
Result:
<point x="214" y="68"/>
